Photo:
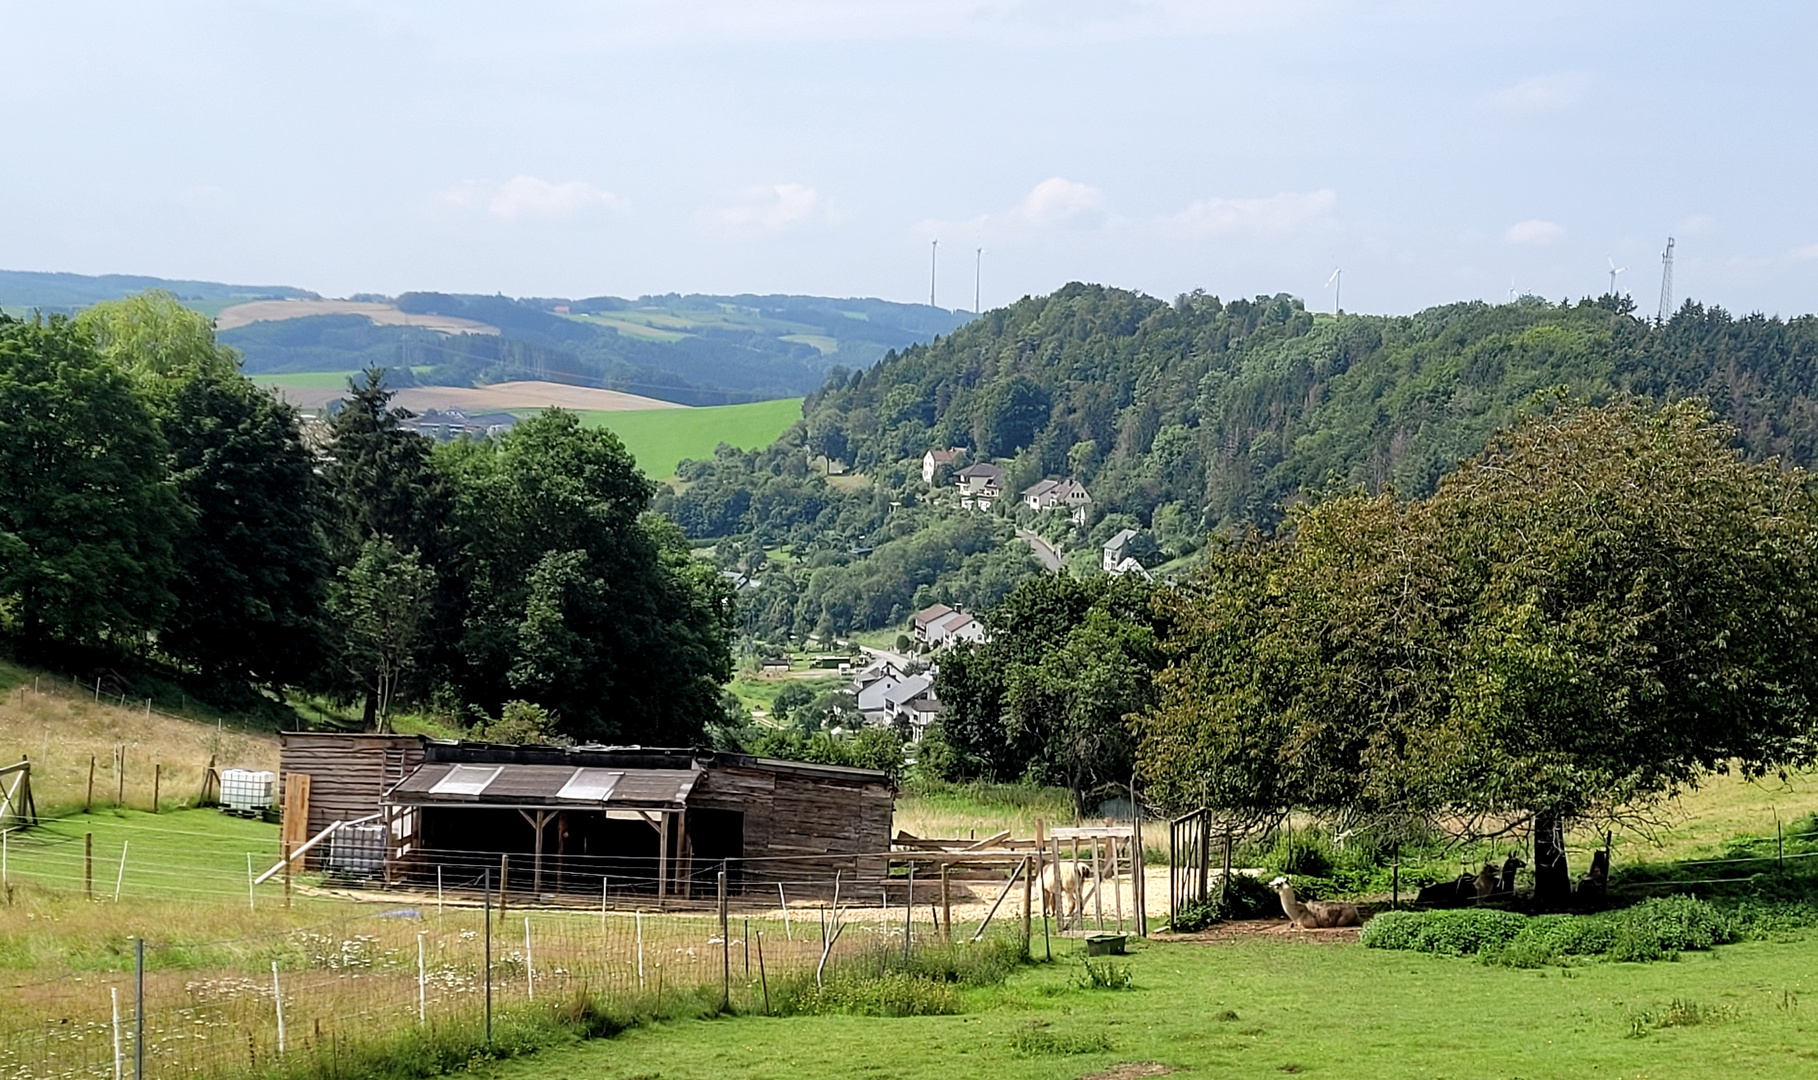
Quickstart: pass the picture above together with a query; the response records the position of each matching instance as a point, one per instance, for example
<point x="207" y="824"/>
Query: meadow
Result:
<point x="1244" y="1000"/>
<point x="659" y="439"/>
<point x="1280" y="1005"/>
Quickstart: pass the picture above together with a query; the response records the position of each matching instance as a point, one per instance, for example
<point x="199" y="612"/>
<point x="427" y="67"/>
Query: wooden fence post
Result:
<point x="88" y="803"/>
<point x="157" y="783"/>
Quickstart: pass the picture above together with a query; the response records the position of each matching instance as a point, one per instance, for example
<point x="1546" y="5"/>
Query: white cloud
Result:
<point x="1809" y="251"/>
<point x="1273" y="215"/>
<point x="1541" y="94"/>
<point x="763" y="213"/>
<point x="1534" y="231"/>
<point x="1059" y="201"/>
<point x="526" y="198"/>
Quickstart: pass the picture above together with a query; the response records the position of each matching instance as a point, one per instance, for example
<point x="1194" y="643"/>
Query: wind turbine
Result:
<point x="1614" y="270"/>
<point x="934" y="252"/>
<point x="1336" y="284"/>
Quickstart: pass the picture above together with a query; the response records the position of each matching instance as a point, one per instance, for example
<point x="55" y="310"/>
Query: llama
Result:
<point x="1509" y="866"/>
<point x="1317" y="915"/>
<point x="1061" y="883"/>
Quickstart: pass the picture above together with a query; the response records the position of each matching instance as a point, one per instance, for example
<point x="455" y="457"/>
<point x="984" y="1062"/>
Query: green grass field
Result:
<point x="306" y="380"/>
<point x="659" y="438"/>
<point x="1281" y="1006"/>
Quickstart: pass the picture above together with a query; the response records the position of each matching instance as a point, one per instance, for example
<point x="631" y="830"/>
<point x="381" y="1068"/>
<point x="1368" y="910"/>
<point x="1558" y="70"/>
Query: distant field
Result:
<point x="309" y="380"/>
<point x="659" y="439"/>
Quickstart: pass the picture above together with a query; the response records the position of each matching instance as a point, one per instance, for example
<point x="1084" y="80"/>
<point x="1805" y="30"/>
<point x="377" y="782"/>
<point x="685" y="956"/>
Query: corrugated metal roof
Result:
<point x="547" y="785"/>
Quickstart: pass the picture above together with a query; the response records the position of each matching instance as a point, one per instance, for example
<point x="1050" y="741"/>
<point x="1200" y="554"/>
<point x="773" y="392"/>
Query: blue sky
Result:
<point x="1434" y="151"/>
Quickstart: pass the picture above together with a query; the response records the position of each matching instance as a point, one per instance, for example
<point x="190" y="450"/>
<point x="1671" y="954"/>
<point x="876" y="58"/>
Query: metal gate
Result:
<point x="1189" y="861"/>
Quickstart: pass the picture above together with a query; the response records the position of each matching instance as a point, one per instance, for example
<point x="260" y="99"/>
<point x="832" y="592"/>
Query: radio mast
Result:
<point x="1666" y="283"/>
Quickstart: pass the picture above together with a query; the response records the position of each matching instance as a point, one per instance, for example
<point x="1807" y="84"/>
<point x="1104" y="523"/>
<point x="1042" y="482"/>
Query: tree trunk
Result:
<point x="370" y="721"/>
<point x="1552" y="878"/>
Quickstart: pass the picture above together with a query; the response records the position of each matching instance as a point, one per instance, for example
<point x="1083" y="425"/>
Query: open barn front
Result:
<point x="546" y="828"/>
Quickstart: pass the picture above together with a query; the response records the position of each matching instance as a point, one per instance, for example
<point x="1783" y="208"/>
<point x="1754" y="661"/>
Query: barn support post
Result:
<point x="663" y="855"/>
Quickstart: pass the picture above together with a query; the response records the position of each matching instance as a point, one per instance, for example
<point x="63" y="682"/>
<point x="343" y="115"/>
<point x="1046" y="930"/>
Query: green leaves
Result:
<point x="1604" y="605"/>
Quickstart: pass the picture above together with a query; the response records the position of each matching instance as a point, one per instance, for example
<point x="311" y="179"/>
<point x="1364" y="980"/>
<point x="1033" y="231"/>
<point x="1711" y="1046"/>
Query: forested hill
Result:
<point x="1216" y="414"/>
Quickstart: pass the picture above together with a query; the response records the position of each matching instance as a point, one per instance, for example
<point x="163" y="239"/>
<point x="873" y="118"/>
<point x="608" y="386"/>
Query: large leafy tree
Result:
<point x="251" y="558"/>
<point x="1048" y="696"/>
<point x="1603" y="607"/>
<point x="88" y="510"/>
<point x="574" y="599"/>
<point x="382" y="604"/>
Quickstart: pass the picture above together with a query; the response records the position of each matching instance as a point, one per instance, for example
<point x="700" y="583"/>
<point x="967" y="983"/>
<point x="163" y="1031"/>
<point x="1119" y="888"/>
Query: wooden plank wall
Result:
<point x="797" y="827"/>
<point x="347" y="773"/>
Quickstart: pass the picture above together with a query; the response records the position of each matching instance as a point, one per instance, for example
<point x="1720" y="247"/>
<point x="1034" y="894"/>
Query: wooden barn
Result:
<point x="582" y="819"/>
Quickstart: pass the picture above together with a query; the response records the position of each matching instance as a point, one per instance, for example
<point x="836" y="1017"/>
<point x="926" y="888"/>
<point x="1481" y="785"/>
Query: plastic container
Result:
<point x="244" y="791"/>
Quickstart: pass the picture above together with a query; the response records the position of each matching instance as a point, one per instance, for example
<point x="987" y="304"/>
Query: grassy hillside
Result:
<point x="60" y="728"/>
<point x="659" y="438"/>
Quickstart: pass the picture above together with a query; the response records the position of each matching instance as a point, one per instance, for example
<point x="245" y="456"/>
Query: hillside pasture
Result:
<point x="61" y="728"/>
<point x="659" y="441"/>
<point x="238" y="315"/>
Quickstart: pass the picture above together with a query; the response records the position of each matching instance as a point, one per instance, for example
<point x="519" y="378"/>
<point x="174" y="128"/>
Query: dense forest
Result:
<point x="1202" y="417"/>
<point x="157" y="509"/>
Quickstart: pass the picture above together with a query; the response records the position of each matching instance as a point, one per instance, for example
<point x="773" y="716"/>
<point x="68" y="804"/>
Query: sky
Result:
<point x="1432" y="151"/>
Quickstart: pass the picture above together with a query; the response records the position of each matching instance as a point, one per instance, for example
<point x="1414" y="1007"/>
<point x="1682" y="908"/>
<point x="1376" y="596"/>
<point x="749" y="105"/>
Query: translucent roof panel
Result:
<point x="591" y="785"/>
<point x="466" y="780"/>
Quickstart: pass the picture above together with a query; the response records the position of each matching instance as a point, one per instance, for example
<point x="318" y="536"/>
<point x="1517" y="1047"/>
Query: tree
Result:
<point x="574" y="598"/>
<point x="382" y="601"/>
<point x="1047" y="697"/>
<point x="88" y="511"/>
<point x="253" y="564"/>
<point x="380" y="478"/>
<point x="1600" y="609"/>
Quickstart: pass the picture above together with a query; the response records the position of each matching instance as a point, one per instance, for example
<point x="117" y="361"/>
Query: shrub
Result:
<point x="1453" y="933"/>
<point x="1678" y="923"/>
<point x="1655" y="929"/>
<point x="1104" y="975"/>
<point x="1244" y="898"/>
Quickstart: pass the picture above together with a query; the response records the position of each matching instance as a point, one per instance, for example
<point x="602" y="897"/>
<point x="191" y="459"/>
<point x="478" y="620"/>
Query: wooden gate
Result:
<point x="1189" y="861"/>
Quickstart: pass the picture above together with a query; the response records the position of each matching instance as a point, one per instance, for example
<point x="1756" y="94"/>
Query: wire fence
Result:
<point x="328" y="986"/>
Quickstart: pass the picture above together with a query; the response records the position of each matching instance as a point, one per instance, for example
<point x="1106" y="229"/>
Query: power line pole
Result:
<point x="1666" y="283"/>
<point x="933" y="252"/>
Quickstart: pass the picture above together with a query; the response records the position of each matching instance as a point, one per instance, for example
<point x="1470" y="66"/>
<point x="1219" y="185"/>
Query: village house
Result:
<point x="447" y="425"/>
<point x="934" y="461"/>
<point x="952" y="628"/>
<point x="1054" y="494"/>
<point x="911" y="701"/>
<point x="980" y="486"/>
<point x="1117" y="559"/>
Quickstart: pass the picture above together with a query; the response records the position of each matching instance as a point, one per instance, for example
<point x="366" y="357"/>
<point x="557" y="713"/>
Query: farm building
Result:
<point x="579" y="819"/>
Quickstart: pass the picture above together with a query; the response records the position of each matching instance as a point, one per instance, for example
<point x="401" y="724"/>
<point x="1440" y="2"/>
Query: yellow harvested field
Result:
<point x="381" y="314"/>
<point x="494" y="398"/>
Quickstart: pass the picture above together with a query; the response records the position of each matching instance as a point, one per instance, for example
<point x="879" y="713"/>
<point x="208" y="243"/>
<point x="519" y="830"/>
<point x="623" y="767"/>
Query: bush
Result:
<point x="1655" y="929"/>
<point x="1104" y="975"/>
<point x="1245" y="898"/>
<point x="1453" y="933"/>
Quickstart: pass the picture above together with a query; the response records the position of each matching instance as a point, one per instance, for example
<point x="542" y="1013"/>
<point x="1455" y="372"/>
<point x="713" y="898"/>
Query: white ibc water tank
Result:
<point x="247" y="791"/>
<point x="357" y="850"/>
